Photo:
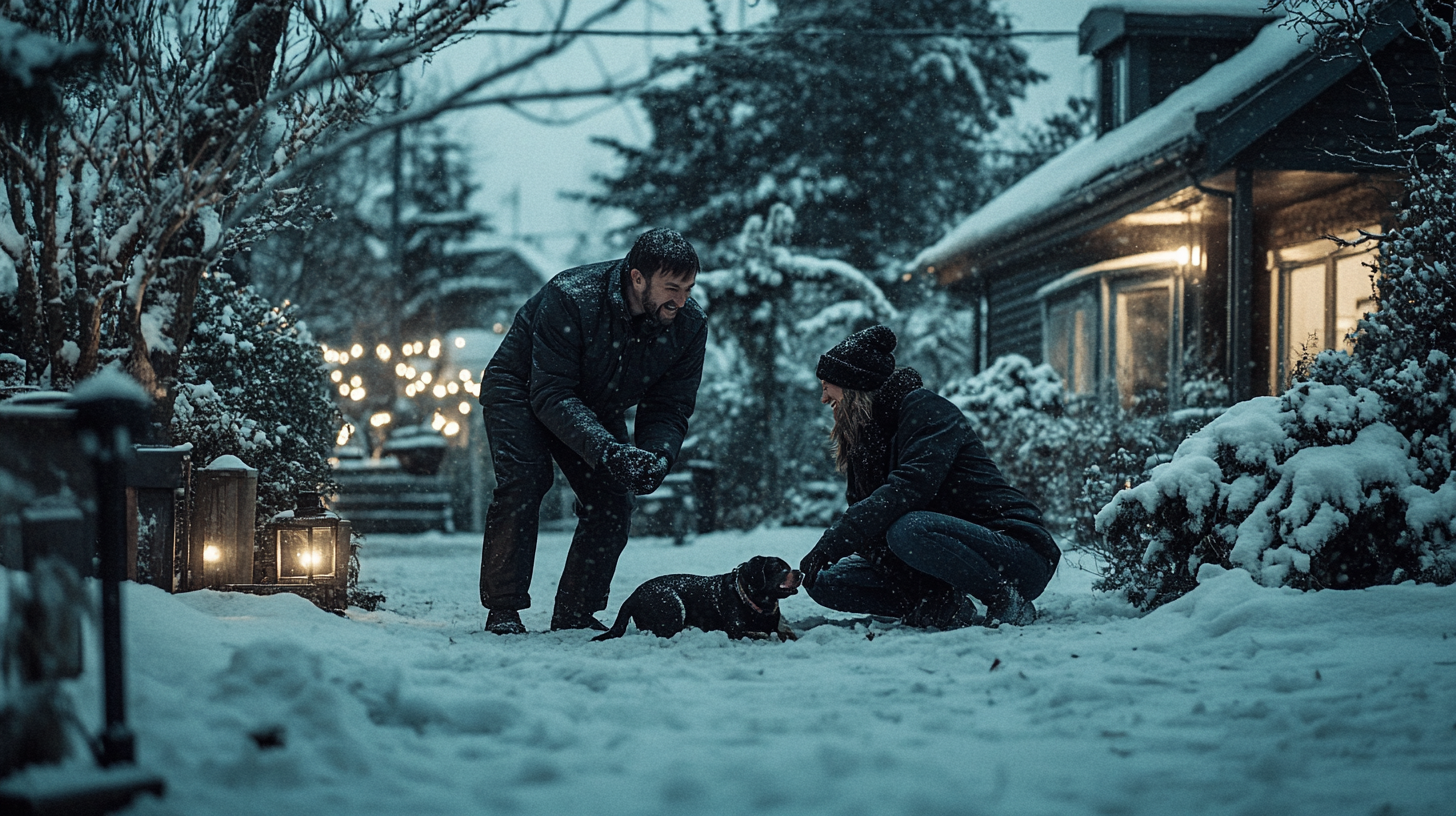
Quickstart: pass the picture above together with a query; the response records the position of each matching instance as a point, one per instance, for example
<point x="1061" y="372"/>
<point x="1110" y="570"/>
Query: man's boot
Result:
<point x="504" y="622"/>
<point x="576" y="620"/>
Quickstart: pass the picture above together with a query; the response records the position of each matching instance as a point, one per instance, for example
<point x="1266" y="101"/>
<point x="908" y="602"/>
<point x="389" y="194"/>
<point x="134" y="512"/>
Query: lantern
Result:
<point x="311" y="544"/>
<point x="220" y="546"/>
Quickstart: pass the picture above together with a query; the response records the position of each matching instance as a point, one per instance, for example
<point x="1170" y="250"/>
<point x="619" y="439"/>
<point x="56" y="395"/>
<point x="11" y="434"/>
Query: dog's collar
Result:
<point x="743" y="594"/>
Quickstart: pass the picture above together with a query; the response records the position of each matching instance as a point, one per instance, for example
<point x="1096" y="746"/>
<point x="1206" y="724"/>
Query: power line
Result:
<point x="964" y="33"/>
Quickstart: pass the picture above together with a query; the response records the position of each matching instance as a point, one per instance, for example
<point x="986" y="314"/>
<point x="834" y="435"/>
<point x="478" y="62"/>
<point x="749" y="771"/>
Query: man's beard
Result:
<point x="653" y="310"/>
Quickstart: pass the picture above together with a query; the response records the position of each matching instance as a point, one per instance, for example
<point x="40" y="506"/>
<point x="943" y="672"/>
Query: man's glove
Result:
<point x="652" y="479"/>
<point x="633" y="468"/>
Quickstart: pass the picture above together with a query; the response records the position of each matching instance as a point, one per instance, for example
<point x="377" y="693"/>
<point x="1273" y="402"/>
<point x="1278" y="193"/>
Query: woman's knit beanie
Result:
<point x="862" y="362"/>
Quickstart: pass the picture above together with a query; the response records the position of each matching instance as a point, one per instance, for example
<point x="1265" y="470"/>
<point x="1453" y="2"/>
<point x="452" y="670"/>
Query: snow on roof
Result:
<point x="1163" y="126"/>
<point x="1184" y="8"/>
<point x="544" y="267"/>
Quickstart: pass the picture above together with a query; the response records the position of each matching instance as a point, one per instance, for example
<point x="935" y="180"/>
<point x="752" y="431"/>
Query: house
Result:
<point x="483" y="285"/>
<point x="1188" y="236"/>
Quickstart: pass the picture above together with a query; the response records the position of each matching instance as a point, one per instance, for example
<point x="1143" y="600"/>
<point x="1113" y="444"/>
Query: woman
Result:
<point x="931" y="521"/>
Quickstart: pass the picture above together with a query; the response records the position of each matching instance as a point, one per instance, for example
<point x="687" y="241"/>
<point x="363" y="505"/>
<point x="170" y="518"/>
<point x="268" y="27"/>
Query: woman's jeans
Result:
<point x="934" y="552"/>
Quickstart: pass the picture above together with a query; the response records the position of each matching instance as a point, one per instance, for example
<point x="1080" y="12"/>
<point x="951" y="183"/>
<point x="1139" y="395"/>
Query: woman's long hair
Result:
<point x="851" y="414"/>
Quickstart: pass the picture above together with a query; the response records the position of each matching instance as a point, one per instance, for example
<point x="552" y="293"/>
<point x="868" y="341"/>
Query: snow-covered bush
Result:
<point x="254" y="385"/>
<point x="1313" y="489"/>
<point x="1069" y="455"/>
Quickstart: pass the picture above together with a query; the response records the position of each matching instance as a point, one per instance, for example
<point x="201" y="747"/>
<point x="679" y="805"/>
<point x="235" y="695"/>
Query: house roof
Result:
<point x="1191" y="135"/>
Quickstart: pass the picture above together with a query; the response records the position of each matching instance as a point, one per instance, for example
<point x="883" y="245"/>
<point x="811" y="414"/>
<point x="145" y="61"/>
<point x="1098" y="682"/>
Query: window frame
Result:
<point x="1104" y="282"/>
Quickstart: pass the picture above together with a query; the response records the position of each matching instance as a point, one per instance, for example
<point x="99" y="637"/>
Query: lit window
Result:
<point x="1320" y="293"/>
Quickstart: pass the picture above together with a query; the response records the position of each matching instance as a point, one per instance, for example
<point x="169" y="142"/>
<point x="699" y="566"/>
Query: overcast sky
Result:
<point x="514" y="156"/>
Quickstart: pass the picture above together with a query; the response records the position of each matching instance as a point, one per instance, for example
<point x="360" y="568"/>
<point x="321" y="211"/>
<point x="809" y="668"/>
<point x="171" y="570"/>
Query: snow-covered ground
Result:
<point x="1235" y="699"/>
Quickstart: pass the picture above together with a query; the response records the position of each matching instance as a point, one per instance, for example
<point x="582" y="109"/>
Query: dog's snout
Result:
<point x="793" y="580"/>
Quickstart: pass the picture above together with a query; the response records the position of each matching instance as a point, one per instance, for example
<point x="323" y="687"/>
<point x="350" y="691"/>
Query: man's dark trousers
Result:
<point x="522" y="450"/>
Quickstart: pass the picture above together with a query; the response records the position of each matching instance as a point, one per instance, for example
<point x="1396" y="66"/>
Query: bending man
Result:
<point x="595" y="341"/>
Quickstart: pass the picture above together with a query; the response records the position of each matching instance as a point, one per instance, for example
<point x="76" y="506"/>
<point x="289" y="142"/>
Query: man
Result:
<point x="931" y="521"/>
<point x="595" y="341"/>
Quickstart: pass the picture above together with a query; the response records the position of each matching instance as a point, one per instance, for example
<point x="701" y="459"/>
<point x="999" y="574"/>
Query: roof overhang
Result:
<point x="1210" y="147"/>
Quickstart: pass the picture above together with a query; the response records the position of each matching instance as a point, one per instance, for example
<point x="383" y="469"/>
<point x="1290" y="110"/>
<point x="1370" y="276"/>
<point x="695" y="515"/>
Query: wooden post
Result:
<point x="1240" y="357"/>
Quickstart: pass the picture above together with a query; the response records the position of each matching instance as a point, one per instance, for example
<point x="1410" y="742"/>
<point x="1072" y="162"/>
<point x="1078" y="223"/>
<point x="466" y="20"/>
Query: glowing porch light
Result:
<point x="1182" y="255"/>
<point x="356" y="350"/>
<point x="381" y="419"/>
<point x="336" y="375"/>
<point x="382" y="352"/>
<point x="211" y="553"/>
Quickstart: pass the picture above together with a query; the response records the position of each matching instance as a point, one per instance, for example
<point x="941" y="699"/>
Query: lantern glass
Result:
<point x="307" y="553"/>
<point x="311" y="544"/>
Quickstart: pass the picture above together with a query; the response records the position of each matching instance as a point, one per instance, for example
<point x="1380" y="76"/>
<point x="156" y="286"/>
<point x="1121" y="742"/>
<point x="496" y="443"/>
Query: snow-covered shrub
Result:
<point x="1313" y="489"/>
<point x="253" y="385"/>
<point x="1068" y="454"/>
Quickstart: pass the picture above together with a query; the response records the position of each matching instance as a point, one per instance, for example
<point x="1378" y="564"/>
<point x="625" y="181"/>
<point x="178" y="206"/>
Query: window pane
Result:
<point x="1059" y="341"/>
<point x="1354" y="294"/>
<point x="1071" y="341"/>
<point x="1083" y="331"/>
<point x="1304" y="319"/>
<point x="1144" y="326"/>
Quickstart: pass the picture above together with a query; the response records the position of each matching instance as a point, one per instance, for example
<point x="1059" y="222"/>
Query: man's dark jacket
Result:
<point x="935" y="462"/>
<point x="577" y="359"/>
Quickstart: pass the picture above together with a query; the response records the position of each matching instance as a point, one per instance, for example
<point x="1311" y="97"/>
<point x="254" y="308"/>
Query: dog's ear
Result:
<point x="757" y="573"/>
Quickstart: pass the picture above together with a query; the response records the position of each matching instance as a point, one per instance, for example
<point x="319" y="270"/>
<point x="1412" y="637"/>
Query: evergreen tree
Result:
<point x="876" y="142"/>
<point x="355" y="277"/>
<point x="253" y="385"/>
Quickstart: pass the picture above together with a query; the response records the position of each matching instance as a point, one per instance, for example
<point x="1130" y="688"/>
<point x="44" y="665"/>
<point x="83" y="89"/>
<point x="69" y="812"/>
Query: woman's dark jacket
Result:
<point x="923" y="454"/>
<point x="577" y="359"/>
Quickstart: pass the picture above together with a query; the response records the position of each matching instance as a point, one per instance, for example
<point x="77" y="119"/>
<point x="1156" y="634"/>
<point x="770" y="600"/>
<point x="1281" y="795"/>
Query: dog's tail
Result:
<point x="619" y="628"/>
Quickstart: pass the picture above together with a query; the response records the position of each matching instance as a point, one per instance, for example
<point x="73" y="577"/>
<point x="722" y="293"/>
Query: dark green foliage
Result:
<point x="253" y="385"/>
<point x="876" y="142"/>
<point x="1068" y="456"/>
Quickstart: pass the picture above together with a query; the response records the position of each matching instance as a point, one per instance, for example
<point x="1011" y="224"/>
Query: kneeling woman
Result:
<point x="931" y="521"/>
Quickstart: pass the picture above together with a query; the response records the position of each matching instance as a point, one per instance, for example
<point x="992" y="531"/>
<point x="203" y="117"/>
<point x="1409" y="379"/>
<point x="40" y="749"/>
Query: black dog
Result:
<point x="743" y="603"/>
